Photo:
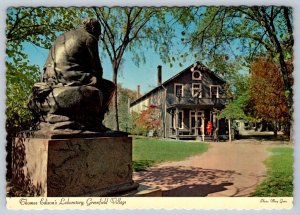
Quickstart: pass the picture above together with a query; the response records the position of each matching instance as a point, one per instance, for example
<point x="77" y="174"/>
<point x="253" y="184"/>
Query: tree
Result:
<point x="126" y="120"/>
<point x="246" y="32"/>
<point x="149" y="119"/>
<point x="37" y="26"/>
<point x="129" y="29"/>
<point x="267" y="93"/>
<point x="235" y="110"/>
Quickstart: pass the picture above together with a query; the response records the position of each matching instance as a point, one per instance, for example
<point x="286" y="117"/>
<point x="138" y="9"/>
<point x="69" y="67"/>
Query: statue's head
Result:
<point x="92" y="26"/>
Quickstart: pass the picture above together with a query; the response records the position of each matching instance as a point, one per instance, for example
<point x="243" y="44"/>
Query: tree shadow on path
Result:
<point x="195" y="190"/>
<point x="186" y="181"/>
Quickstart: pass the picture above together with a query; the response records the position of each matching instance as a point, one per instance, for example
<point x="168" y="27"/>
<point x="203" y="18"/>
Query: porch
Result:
<point x="186" y="135"/>
<point x="186" y="122"/>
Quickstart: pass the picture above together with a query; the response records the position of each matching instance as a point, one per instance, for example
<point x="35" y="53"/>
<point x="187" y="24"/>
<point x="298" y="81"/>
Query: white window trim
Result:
<point x="200" y="95"/>
<point x="182" y="122"/>
<point x="218" y="86"/>
<point x="173" y="123"/>
<point x="196" y="115"/>
<point x="177" y="84"/>
<point x="175" y="119"/>
<point x="193" y="78"/>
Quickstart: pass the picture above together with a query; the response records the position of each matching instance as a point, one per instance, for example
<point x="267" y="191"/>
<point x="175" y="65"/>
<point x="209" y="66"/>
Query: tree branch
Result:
<point x="106" y="27"/>
<point x="18" y="20"/>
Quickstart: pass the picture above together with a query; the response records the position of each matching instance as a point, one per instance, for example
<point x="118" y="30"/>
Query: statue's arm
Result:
<point x="97" y="70"/>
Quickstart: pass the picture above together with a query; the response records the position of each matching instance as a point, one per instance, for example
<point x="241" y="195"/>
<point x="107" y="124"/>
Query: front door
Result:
<point x="196" y="121"/>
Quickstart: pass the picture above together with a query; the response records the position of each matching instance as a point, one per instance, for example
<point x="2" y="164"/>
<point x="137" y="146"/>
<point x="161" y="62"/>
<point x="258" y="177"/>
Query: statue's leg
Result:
<point x="107" y="88"/>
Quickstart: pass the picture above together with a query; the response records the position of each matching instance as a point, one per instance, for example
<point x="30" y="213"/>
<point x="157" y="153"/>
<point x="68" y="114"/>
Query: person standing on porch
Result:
<point x="209" y="127"/>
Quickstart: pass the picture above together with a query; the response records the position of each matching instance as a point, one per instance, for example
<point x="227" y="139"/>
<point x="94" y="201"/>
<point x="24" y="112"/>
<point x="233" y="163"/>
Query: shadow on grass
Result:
<point x="142" y="165"/>
<point x="265" y="137"/>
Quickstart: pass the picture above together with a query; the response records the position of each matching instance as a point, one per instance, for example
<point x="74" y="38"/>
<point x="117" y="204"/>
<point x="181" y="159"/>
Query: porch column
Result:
<point x="229" y="127"/>
<point x="214" y="121"/>
<point x="203" y="127"/>
<point x="196" y="125"/>
<point x="176" y="123"/>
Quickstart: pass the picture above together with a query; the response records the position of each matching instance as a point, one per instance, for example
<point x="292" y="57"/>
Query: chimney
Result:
<point x="159" y="75"/>
<point x="138" y="91"/>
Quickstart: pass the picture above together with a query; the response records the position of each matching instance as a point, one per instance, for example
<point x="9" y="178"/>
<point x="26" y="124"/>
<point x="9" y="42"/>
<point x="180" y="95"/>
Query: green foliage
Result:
<point x="243" y="33"/>
<point x="38" y="26"/>
<point x="142" y="165"/>
<point x="139" y="130"/>
<point x="126" y="119"/>
<point x="148" y="152"/>
<point x="127" y="29"/>
<point x="236" y="109"/>
<point x="279" y="181"/>
<point x="20" y="78"/>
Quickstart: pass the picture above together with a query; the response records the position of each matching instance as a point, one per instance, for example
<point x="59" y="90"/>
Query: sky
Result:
<point x="130" y="75"/>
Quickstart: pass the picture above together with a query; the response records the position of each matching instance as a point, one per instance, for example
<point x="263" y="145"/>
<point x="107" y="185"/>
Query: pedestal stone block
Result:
<point x="100" y="166"/>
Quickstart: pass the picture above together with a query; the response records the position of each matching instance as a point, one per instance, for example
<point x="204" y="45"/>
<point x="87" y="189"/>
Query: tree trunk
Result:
<point x="115" y="76"/>
<point x="270" y="27"/>
<point x="275" y="128"/>
<point x="229" y="128"/>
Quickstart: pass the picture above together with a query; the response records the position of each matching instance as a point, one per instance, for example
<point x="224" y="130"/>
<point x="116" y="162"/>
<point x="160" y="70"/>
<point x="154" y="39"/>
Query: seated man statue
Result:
<point x="73" y="95"/>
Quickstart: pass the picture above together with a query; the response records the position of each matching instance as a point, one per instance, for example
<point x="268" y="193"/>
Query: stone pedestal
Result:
<point x="144" y="191"/>
<point x="100" y="166"/>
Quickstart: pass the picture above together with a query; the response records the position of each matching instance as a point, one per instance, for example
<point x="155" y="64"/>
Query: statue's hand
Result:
<point x="93" y="81"/>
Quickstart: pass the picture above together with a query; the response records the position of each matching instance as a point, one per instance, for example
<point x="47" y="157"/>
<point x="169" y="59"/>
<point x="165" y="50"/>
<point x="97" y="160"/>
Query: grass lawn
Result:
<point x="279" y="181"/>
<point x="148" y="151"/>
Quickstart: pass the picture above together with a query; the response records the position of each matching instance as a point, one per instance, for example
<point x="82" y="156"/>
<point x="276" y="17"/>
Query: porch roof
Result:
<point x="196" y="106"/>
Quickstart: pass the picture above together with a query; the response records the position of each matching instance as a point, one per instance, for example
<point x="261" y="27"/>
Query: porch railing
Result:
<point x="197" y="101"/>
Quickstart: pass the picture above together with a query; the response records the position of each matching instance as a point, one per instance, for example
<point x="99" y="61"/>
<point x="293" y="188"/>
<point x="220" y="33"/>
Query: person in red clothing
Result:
<point x="209" y="127"/>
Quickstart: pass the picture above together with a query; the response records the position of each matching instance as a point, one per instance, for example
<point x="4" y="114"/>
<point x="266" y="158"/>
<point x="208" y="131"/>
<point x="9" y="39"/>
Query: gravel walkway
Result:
<point x="227" y="169"/>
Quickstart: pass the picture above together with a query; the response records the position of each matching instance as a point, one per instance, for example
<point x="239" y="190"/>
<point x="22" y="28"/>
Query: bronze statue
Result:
<point x="73" y="96"/>
<point x="73" y="59"/>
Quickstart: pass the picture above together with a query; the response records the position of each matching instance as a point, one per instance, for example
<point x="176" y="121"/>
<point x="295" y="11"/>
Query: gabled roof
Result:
<point x="198" y="65"/>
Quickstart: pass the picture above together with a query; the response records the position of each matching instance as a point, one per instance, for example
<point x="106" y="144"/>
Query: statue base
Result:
<point x="91" y="166"/>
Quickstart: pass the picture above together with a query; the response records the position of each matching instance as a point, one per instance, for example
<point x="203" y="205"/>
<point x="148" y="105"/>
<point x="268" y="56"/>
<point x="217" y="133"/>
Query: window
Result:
<point x="214" y="91"/>
<point x="180" y="119"/>
<point x="193" y="119"/>
<point x="197" y="90"/>
<point x="196" y="75"/>
<point x="196" y="117"/>
<point x="196" y="121"/>
<point x="178" y="90"/>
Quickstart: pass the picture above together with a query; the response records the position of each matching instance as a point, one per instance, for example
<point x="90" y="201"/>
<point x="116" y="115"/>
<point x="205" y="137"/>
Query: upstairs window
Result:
<point x="196" y="75"/>
<point x="178" y="90"/>
<point x="197" y="90"/>
<point x="214" y="91"/>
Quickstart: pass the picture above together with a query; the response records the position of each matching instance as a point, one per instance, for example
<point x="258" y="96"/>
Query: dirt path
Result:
<point x="227" y="169"/>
